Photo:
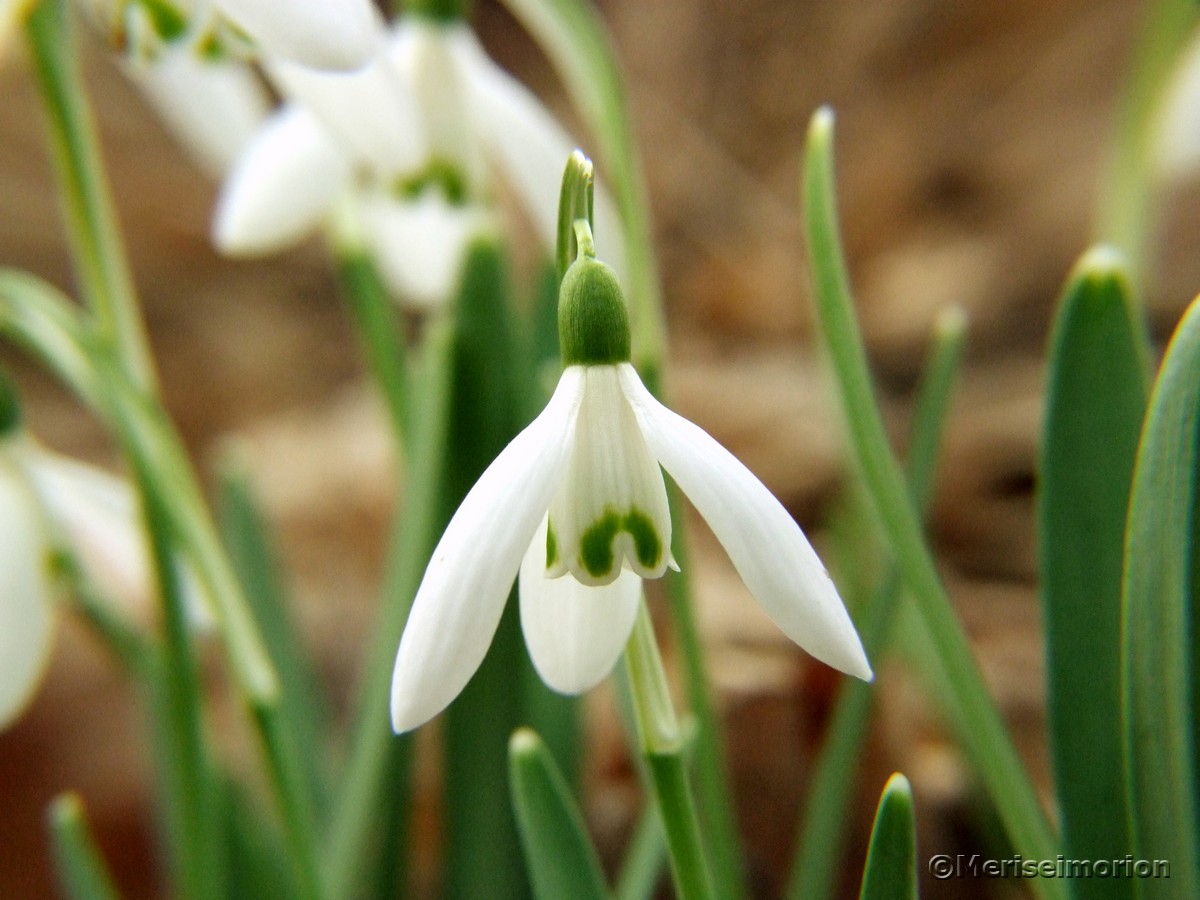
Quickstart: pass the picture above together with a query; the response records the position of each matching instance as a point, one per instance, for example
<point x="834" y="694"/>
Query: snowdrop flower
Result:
<point x="577" y="505"/>
<point x="418" y="138"/>
<point x="49" y="503"/>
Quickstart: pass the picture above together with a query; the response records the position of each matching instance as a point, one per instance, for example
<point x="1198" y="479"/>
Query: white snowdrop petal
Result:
<point x="610" y="510"/>
<point x="419" y="245"/>
<point x="764" y="542"/>
<point x="371" y="114"/>
<point x="532" y="150"/>
<point x="461" y="597"/>
<point x="338" y="35"/>
<point x="26" y="604"/>
<point x="281" y="187"/>
<point x="575" y="633"/>
<point x="97" y="517"/>
<point x="211" y="107"/>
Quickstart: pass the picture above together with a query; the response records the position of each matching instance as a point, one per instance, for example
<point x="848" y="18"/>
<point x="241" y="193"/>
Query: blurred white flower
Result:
<point x="211" y="107"/>
<point x="50" y="503"/>
<point x="1178" y="145"/>
<point x="418" y="138"/>
<point x="577" y="505"/>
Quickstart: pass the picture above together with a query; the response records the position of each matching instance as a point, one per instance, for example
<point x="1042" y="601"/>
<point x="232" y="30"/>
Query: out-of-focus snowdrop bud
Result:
<point x="1178" y="142"/>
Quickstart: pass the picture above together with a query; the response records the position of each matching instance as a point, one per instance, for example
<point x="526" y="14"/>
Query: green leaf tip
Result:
<point x="593" y="320"/>
<point x="891" y="869"/>
<point x="821" y="125"/>
<point x="524" y="743"/>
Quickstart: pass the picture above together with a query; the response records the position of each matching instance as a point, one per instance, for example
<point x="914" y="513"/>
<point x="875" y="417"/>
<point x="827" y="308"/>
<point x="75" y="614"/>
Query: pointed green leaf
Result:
<point x="562" y="861"/>
<point x="483" y="855"/>
<point x="891" y="871"/>
<point x="302" y="706"/>
<point x="1095" y="401"/>
<point x="986" y="740"/>
<point x="1160" y="598"/>
<point x="82" y="872"/>
<point x="818" y="858"/>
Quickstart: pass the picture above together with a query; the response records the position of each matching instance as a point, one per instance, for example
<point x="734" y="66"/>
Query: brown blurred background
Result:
<point x="971" y="141"/>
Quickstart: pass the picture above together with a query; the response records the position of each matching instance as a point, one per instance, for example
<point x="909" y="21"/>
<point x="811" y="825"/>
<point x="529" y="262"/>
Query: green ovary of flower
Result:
<point x="596" y="544"/>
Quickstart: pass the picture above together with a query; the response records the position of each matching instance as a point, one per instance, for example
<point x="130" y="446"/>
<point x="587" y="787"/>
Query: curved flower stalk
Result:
<point x="418" y="139"/>
<point x="577" y="504"/>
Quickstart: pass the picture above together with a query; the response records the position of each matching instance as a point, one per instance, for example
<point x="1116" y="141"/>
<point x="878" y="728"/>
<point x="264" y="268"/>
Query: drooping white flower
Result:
<point x="577" y="504"/>
<point x="420" y="137"/>
<point x="50" y="503"/>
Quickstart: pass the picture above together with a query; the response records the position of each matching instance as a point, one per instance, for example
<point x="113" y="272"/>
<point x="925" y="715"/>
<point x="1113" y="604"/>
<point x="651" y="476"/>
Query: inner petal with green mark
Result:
<point x="610" y="511"/>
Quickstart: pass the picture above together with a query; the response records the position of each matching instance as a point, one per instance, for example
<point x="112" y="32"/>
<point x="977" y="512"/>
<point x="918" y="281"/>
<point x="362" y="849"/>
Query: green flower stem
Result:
<point x="1123" y="217"/>
<point x="707" y="754"/>
<point x="988" y="743"/>
<point x="573" y="36"/>
<point x="662" y="747"/>
<point x="818" y="858"/>
<point x="82" y="872"/>
<point x="575" y="202"/>
<point x="379" y="761"/>
<point x="92" y="223"/>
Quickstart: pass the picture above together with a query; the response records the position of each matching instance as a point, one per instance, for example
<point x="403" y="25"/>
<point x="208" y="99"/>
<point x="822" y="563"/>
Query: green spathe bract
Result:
<point x="593" y="322"/>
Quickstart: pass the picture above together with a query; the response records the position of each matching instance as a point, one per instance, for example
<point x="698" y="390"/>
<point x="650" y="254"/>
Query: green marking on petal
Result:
<point x="595" y="546"/>
<point x="551" y="546"/>
<point x="646" y="541"/>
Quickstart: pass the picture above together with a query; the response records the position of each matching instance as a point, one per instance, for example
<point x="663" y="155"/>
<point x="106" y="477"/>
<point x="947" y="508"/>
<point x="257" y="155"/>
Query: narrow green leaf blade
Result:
<point x="818" y="859"/>
<point x="562" y="861"/>
<point x="891" y="871"/>
<point x="982" y="730"/>
<point x="1160" y="594"/>
<point x="1094" y="406"/>
<point x="82" y="872"/>
<point x="303" y="709"/>
<point x="483" y="856"/>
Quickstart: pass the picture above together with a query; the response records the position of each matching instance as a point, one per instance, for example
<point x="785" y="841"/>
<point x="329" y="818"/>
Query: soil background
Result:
<point x="971" y="142"/>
